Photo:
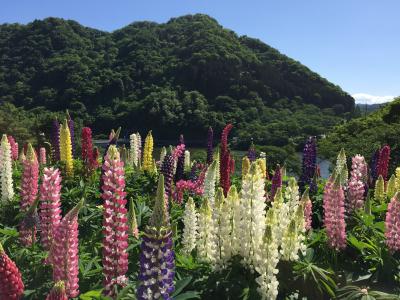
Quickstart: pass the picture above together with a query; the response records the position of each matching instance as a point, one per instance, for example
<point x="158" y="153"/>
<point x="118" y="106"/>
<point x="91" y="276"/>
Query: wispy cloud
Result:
<point x="371" y="99"/>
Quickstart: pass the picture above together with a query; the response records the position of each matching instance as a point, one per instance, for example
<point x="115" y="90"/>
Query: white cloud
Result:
<point x="371" y="99"/>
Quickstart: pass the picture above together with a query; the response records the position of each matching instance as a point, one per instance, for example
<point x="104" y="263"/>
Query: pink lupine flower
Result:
<point x="307" y="209"/>
<point x="50" y="211"/>
<point x="42" y="155"/>
<point x="14" y="147"/>
<point x="29" y="190"/>
<point x="195" y="187"/>
<point x="357" y="183"/>
<point x="383" y="162"/>
<point x="64" y="252"/>
<point x="115" y="223"/>
<point x="334" y="214"/>
<point x="392" y="222"/>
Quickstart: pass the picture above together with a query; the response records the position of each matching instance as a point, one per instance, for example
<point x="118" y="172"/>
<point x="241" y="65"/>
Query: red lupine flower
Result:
<point x="58" y="292"/>
<point x="64" y="252"/>
<point x="50" y="211"/>
<point x="392" y="222"/>
<point x="14" y="147"/>
<point x="334" y="214"/>
<point x="11" y="285"/>
<point x="115" y="223"/>
<point x="29" y="190"/>
<point x="87" y="148"/>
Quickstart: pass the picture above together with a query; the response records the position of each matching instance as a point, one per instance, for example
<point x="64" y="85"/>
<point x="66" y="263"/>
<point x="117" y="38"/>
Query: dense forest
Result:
<point x="181" y="76"/>
<point x="367" y="134"/>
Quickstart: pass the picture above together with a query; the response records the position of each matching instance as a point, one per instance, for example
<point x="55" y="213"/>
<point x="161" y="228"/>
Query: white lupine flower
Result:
<point x="291" y="243"/>
<point x="163" y="153"/>
<point x="6" y="181"/>
<point x="341" y="167"/>
<point x="266" y="267"/>
<point x="190" y="234"/>
<point x="253" y="214"/>
<point x="217" y="159"/>
<point x="206" y="248"/>
<point x="278" y="216"/>
<point x="187" y="162"/>
<point x="234" y="201"/>
<point x="210" y="182"/>
<point x="134" y="150"/>
<point x="139" y="149"/>
<point x="292" y="196"/>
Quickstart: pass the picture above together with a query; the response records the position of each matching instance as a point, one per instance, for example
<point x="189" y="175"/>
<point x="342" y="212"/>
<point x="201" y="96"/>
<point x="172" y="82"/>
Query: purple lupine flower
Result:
<point x="276" y="181"/>
<point x="180" y="165"/>
<point x="374" y="167"/>
<point x="167" y="169"/>
<point x="157" y="258"/>
<point x="210" y="150"/>
<point x="309" y="165"/>
<point x="251" y="153"/>
<point x="55" y="140"/>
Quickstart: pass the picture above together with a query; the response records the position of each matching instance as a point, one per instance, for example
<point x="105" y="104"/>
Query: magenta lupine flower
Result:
<point x="194" y="187"/>
<point x="167" y="169"/>
<point x="14" y="147"/>
<point x="55" y="140"/>
<point x="383" y="162"/>
<point x="50" y="205"/>
<point x="180" y="160"/>
<point x="334" y="214"/>
<point x="29" y="190"/>
<point x="309" y="166"/>
<point x="210" y="149"/>
<point x="87" y="148"/>
<point x="157" y="262"/>
<point x="357" y="183"/>
<point x="64" y="252"/>
<point x="392" y="222"/>
<point x="276" y="181"/>
<point x="115" y="223"/>
<point x="225" y="160"/>
<point x="42" y="156"/>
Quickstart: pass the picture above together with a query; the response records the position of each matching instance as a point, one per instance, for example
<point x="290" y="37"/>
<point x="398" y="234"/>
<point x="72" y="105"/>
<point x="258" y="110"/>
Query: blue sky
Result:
<point x="353" y="43"/>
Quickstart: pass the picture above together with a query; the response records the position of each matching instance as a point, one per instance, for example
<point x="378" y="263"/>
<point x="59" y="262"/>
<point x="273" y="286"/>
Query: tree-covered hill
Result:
<point x="183" y="75"/>
<point x="366" y="134"/>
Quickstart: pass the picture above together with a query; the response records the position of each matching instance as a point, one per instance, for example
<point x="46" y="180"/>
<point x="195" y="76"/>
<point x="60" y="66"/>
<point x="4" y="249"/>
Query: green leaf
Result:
<point x="188" y="295"/>
<point x="181" y="284"/>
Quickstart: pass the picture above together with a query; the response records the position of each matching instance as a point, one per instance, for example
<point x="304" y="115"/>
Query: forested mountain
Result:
<point x="184" y="75"/>
<point x="365" y="134"/>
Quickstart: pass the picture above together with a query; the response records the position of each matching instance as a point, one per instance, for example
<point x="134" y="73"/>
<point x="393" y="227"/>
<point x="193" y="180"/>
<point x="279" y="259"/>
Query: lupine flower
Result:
<point x="218" y="160"/>
<point x="71" y="132"/>
<point x="374" y="167"/>
<point x="139" y="142"/>
<point x="11" y="285"/>
<point x="187" y="160"/>
<point x="64" y="252"/>
<point x="189" y="235"/>
<point x="163" y="153"/>
<point x="357" y="183"/>
<point x="276" y="181"/>
<point x="194" y="187"/>
<point x="206" y="247"/>
<point x="123" y="153"/>
<point x="22" y="157"/>
<point x="87" y="148"/>
<point x="210" y="183"/>
<point x="253" y="214"/>
<point x="383" y="162"/>
<point x="57" y="292"/>
<point x="236" y="210"/>
<point x="66" y="149"/>
<point x="157" y="263"/>
<point x="334" y="214"/>
<point x="379" y="192"/>
<point x="225" y="160"/>
<point x="134" y="149"/>
<point x="6" y="180"/>
<point x="305" y="199"/>
<point x="148" y="153"/>
<point x="392" y="224"/>
<point x="245" y="166"/>
<point x="341" y="167"/>
<point x="278" y="216"/>
<point x="251" y="153"/>
<point x="269" y="258"/>
<point x="262" y="163"/>
<point x="115" y="227"/>
<point x="391" y="187"/>
<point x="42" y="156"/>
<point x="13" y="146"/>
<point x="94" y="162"/>
<point x="398" y="178"/>
<point x="50" y="205"/>
<point x="167" y="169"/>
<point x="132" y="220"/>
<point x="210" y="149"/>
<point x="180" y="161"/>
<point x="55" y="140"/>
<point x="29" y="190"/>
<point x="309" y="165"/>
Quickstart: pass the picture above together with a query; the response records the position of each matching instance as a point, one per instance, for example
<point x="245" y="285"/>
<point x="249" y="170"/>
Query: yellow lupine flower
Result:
<point x="398" y="178"/>
<point x="66" y="148"/>
<point x="245" y="166"/>
<point x="148" y="153"/>
<point x="391" y="188"/>
<point x="380" y="190"/>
